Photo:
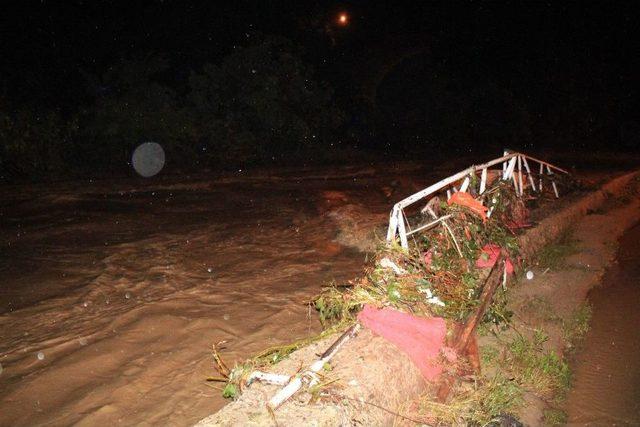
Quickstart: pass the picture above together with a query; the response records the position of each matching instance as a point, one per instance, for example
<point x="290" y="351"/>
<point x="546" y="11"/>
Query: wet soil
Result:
<point x="112" y="292"/>
<point x="607" y="371"/>
<point x="550" y="299"/>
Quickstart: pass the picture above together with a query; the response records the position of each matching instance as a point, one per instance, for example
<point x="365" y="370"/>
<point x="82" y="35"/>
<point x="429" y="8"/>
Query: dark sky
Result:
<point x="47" y="45"/>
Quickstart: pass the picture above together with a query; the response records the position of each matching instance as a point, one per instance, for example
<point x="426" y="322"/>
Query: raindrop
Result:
<point x="85" y="304"/>
<point x="148" y="159"/>
<point x="40" y="355"/>
<point x="209" y="269"/>
<point x="127" y="295"/>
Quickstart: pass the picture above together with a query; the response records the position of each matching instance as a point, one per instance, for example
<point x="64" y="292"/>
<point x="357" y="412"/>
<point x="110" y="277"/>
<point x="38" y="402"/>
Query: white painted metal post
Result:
<point x="483" y="181"/>
<point x="465" y="185"/>
<point x="401" y="230"/>
<point x="429" y="225"/>
<point x="505" y="152"/>
<point x="540" y="173"/>
<point x="553" y="183"/>
<point x="526" y="166"/>
<point x="393" y="224"/>
<point x="516" y="187"/>
<point x="510" y="168"/>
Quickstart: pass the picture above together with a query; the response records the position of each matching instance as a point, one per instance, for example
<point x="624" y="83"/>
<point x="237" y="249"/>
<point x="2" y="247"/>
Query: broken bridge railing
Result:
<point x="515" y="167"/>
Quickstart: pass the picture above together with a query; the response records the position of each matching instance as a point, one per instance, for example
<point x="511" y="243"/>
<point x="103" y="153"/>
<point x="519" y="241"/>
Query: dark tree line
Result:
<point x="260" y="104"/>
<point x="263" y="103"/>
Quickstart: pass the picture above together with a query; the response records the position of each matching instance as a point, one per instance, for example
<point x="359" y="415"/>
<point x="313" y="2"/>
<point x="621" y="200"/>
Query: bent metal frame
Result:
<point x="515" y="166"/>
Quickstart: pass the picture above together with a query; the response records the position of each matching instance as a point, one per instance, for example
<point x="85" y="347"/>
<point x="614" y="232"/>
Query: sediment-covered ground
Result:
<point x="373" y="384"/>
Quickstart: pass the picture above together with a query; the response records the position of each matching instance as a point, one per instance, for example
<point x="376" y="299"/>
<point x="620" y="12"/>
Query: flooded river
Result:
<point x="112" y="292"/>
<point x="607" y="373"/>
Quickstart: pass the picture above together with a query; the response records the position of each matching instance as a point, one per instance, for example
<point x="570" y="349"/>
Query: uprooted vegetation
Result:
<point x="442" y="273"/>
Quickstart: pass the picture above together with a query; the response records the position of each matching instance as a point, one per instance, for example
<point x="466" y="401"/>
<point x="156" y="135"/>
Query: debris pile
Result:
<point x="444" y="259"/>
<point x="442" y="270"/>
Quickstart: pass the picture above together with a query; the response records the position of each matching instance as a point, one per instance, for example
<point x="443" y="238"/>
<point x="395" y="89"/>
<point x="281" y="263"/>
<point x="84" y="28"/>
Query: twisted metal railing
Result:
<point x="515" y="167"/>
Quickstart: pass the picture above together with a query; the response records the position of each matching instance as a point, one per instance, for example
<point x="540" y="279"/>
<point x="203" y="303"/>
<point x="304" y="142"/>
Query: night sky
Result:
<point x="46" y="45"/>
<point x="386" y="56"/>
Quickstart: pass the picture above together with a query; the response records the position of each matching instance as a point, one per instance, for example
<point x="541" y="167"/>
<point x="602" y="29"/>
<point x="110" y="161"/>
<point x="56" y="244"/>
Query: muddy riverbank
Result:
<point x="528" y="358"/>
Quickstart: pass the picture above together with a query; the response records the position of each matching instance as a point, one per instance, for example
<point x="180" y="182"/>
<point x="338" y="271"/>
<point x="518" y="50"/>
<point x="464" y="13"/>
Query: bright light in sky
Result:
<point x="343" y="19"/>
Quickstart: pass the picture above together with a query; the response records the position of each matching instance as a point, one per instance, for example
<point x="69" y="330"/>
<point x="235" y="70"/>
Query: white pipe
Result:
<point x="286" y="392"/>
<point x="526" y="166"/>
<point x="540" y="173"/>
<point x="483" y="180"/>
<point x="547" y="164"/>
<point x="504" y="276"/>
<point x="309" y="375"/>
<point x="431" y="224"/>
<point x="393" y="223"/>
<point x="450" y="180"/>
<point x="510" y="168"/>
<point x="401" y="230"/>
<point x="515" y="183"/>
<point x="504" y="164"/>
<point x="268" y="377"/>
<point x="465" y="185"/>
<point x="553" y="183"/>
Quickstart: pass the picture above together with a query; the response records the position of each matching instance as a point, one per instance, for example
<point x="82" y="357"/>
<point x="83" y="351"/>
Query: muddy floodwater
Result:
<point x="112" y="292"/>
<point x="607" y="373"/>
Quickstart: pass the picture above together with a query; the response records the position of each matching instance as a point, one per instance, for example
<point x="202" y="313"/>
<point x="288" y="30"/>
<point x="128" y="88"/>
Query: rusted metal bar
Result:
<point x="462" y="343"/>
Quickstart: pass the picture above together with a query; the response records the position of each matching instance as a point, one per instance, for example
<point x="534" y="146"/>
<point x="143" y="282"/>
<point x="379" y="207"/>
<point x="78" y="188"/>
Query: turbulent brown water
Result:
<point x="111" y="293"/>
<point x="607" y="374"/>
